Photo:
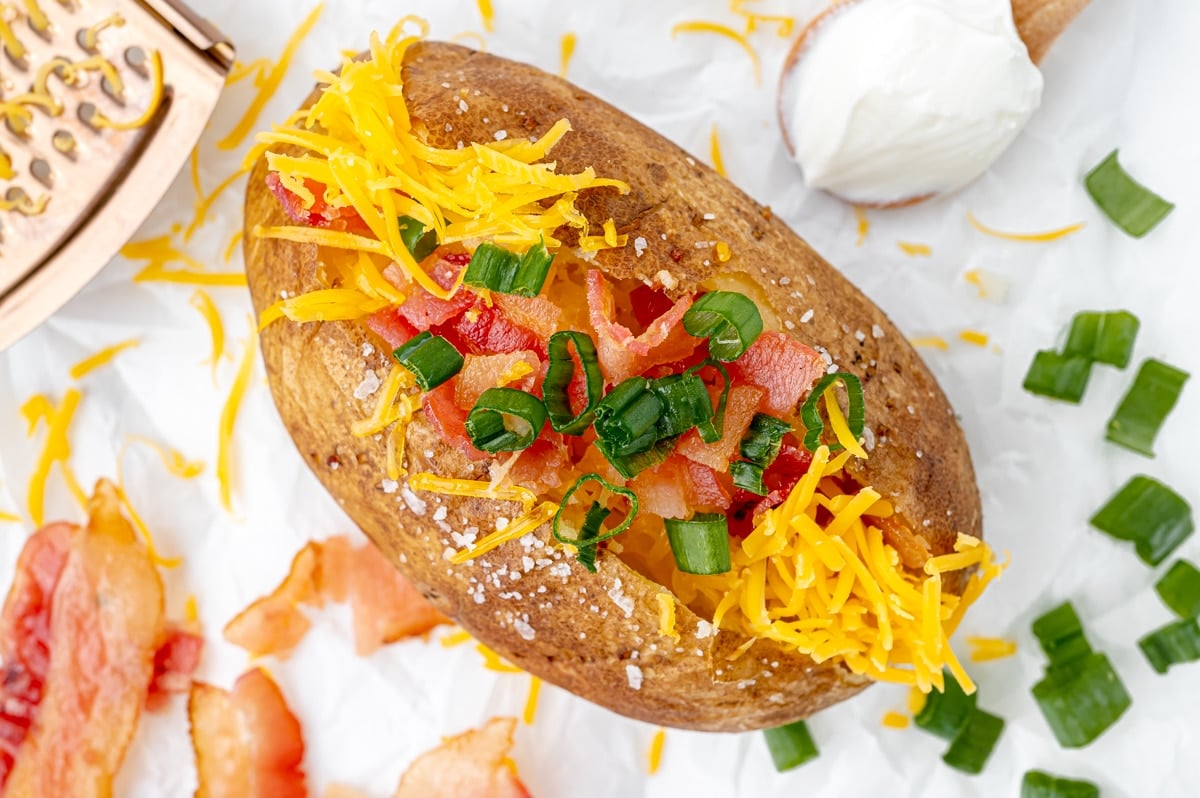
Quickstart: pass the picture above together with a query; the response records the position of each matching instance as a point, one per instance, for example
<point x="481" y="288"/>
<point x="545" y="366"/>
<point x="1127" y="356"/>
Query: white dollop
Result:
<point x="896" y="99"/>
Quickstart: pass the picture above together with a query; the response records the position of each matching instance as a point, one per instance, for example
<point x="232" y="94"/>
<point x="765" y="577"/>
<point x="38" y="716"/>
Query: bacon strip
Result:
<point x="472" y="765"/>
<point x="622" y="354"/>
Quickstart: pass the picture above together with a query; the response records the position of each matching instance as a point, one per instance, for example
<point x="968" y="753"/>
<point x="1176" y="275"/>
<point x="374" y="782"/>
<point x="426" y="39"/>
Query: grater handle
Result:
<point x="199" y="32"/>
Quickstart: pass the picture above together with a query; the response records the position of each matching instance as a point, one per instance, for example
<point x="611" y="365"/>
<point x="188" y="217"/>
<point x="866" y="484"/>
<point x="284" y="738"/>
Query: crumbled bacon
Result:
<point x="481" y="372"/>
<point x="448" y="419"/>
<point x="740" y="408"/>
<point x="781" y="366"/>
<point x="175" y="663"/>
<point x="621" y="353"/>
<point x="483" y="330"/>
<point x="390" y="325"/>
<point x="472" y="765"/>
<point x="320" y="214"/>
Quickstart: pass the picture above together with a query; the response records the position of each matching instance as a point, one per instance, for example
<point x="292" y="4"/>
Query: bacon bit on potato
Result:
<point x="481" y="372"/>
<point x="780" y="365"/>
<point x="538" y="315"/>
<point x="912" y="548"/>
<point x="247" y="743"/>
<point x="474" y="764"/>
<point x="542" y="466"/>
<point x="385" y="605"/>
<point x="621" y="353"/>
<point x="740" y="408"/>
<point x="78" y="636"/>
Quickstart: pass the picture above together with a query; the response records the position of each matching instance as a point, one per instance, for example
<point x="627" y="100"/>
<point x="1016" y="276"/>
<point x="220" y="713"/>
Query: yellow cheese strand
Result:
<point x="515" y="529"/>
<point x="863" y="225"/>
<point x="932" y="342"/>
<point x="172" y="459"/>
<point x="494" y="662"/>
<point x="330" y="304"/>
<point x="837" y="422"/>
<point x="974" y="337"/>
<point x="203" y="303"/>
<point x="531" y="702"/>
<point x="101" y="358"/>
<point x="1049" y="235"/>
<point x="985" y="649"/>
<point x="655" y="752"/>
<point x="156" y="96"/>
<point x="473" y="488"/>
<point x="566" y="50"/>
<point x="488" y="14"/>
<point x="55" y="449"/>
<point x="666" y="616"/>
<point x="915" y="250"/>
<point x="229" y="414"/>
<point x="700" y="26"/>
<point x="894" y="720"/>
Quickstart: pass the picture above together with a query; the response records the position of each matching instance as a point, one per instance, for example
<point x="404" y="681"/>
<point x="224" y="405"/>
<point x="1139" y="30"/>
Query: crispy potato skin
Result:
<point x="314" y="369"/>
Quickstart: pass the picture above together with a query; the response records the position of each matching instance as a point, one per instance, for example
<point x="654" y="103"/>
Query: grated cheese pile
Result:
<point x="360" y="144"/>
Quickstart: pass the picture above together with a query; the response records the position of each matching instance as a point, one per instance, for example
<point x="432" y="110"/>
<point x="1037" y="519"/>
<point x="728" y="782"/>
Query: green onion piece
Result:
<point x="713" y="429"/>
<point x="764" y="438"/>
<point x="700" y="545"/>
<point x="1061" y="635"/>
<point x="630" y="465"/>
<point x="748" y="476"/>
<point x="626" y="418"/>
<point x="1134" y="208"/>
<point x="810" y="413"/>
<point x="431" y="359"/>
<point x="685" y="403"/>
<point x="1148" y="513"/>
<point x="946" y="714"/>
<point x="1173" y="644"/>
<point x="1150" y="399"/>
<point x="587" y="540"/>
<point x="1179" y="589"/>
<point x="1063" y="377"/>
<point x="556" y="387"/>
<point x="419" y="243"/>
<point x="505" y="420"/>
<point x="1081" y="700"/>
<point x="1039" y="784"/>
<point x="729" y="320"/>
<point x="597" y="514"/>
<point x="504" y="272"/>
<point x="791" y="745"/>
<point x="971" y="748"/>
<point x="1103" y="337"/>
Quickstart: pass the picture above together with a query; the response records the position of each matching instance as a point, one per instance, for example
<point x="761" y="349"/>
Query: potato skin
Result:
<point x="594" y="634"/>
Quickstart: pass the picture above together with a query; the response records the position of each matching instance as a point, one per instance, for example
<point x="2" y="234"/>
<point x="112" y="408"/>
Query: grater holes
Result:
<point x="16" y="195"/>
<point x="136" y="58"/>
<point x="64" y="142"/>
<point x="19" y="124"/>
<point x="41" y="171"/>
<point x="81" y="38"/>
<point x="87" y="115"/>
<point x="112" y="91"/>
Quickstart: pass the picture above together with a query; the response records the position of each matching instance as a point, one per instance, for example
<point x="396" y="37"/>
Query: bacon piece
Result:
<point x="483" y="330"/>
<point x="78" y="636"/>
<point x="543" y="465"/>
<point x="385" y="605"/>
<point x="448" y="419"/>
<point x="175" y="663"/>
<point x="621" y="353"/>
<point x="678" y="487"/>
<point x="472" y="765"/>
<point x="247" y="743"/>
<point x="481" y="372"/>
<point x="740" y="408"/>
<point x="320" y="214"/>
<point x="912" y="548"/>
<point x="779" y="479"/>
<point x="537" y="314"/>
<point x="391" y="326"/>
<point x="781" y="366"/>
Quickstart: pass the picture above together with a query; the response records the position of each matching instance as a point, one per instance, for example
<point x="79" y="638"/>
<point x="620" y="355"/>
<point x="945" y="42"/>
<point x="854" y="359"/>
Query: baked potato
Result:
<point x="614" y="636"/>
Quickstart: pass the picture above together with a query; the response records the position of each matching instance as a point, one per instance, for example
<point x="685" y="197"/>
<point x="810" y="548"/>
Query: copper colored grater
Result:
<point x="98" y="182"/>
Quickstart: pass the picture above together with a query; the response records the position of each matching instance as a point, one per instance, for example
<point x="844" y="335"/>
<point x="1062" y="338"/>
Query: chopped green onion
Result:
<point x="504" y="272"/>
<point x="431" y="359"/>
<point x="729" y="320"/>
<point x="597" y="514"/>
<point x="810" y="413"/>
<point x="419" y="243"/>
<point x="713" y="429"/>
<point x="1038" y="784"/>
<point x="505" y="420"/>
<point x="630" y="465"/>
<point x="685" y="403"/>
<point x="1179" y="589"/>
<point x="971" y="748"/>
<point x="700" y="545"/>
<point x="1061" y="635"/>
<point x="1103" y="337"/>
<point x="627" y="416"/>
<point x="1148" y="513"/>
<point x="1150" y="399"/>
<point x="946" y="714"/>
<point x="1173" y="644"/>
<point x="1063" y="377"/>
<point x="560" y="373"/>
<point x="1081" y="700"/>
<point x="764" y="438"/>
<point x="586" y="539"/>
<point x="791" y="745"/>
<point x="748" y="476"/>
<point x="1134" y="208"/>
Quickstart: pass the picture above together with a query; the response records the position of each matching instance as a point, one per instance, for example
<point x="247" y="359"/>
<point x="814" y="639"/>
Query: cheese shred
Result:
<point x="229" y="414"/>
<point x="55" y="449"/>
<point x="203" y="303"/>
<point x="1037" y="238"/>
<point x="986" y="649"/>
<point x="701" y="26"/>
<point x="514" y="530"/>
<point x="531" y="702"/>
<point x="473" y="488"/>
<point x="894" y="720"/>
<point x="654" y="754"/>
<point x="101" y="358"/>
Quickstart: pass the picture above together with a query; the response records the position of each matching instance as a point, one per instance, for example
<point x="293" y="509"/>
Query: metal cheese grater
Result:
<point x="59" y="145"/>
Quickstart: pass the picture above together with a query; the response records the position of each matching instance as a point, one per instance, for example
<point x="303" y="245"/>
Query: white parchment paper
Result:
<point x="1124" y="76"/>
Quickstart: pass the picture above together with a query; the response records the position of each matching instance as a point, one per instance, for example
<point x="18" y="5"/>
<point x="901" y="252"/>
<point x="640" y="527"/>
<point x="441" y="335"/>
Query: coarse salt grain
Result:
<point x="368" y="349"/>
<point x="369" y="385"/>
<point x="639" y="246"/>
<point x="704" y="629"/>
<point x="876" y="331"/>
<point x="623" y="602"/>
<point x="634" y="674"/>
<point x="389" y="486"/>
<point x="500" y="135"/>
<point x="523" y="629"/>
<point x="440" y="513"/>
<point x="807" y="317"/>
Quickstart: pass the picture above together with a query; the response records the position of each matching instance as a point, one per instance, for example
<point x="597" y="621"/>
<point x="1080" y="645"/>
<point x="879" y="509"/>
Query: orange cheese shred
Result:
<point x="566" y="51"/>
<point x="487" y="14"/>
<point x="494" y="662"/>
<point x="531" y="702"/>
<point x="714" y="152"/>
<point x="161" y="251"/>
<point x="915" y="250"/>
<point x="894" y="720"/>
<point x="203" y="303"/>
<point x="931" y="342"/>
<point x="514" y="530"/>
<point x="863" y="223"/>
<point x="985" y="649"/>
<point x="1043" y="237"/>
<point x="655" y="752"/>
<point x="784" y="26"/>
<point x="55" y="449"/>
<point x="229" y="414"/>
<point x="156" y="97"/>
<point x="974" y="337"/>
<point x="101" y="358"/>
<point x="701" y="26"/>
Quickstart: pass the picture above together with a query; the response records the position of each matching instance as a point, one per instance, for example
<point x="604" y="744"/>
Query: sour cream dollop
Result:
<point x="891" y="100"/>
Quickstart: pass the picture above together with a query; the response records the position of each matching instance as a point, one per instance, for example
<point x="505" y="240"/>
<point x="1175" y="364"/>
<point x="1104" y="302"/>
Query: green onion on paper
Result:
<point x="791" y="745"/>
<point x="1150" y="399"/>
<point x="1039" y="784"/>
<point x="1134" y="208"/>
<point x="1150" y="515"/>
<point x="1179" y="589"/>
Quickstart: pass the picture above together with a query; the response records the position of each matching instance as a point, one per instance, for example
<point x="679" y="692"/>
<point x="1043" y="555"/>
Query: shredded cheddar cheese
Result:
<point x="203" y="303"/>
<point x="724" y="253"/>
<point x="143" y="530"/>
<point x="516" y="371"/>
<point x="1049" y="235"/>
<point x="494" y="662"/>
<point x="471" y="38"/>
<point x="269" y="83"/>
<point x="894" y="720"/>
<point x="566" y="50"/>
<point x="191" y="609"/>
<point x="156" y="97"/>
<point x="229" y="414"/>
<point x="841" y="429"/>
<point x="173" y="460"/>
<point x="514" y="530"/>
<point x="992" y="287"/>
<point x="531" y="702"/>
<point x="654" y="754"/>
<point x="916" y="701"/>
<point x="783" y="25"/>
<point x="863" y="223"/>
<point x="204" y="202"/>
<point x="234" y="240"/>
<point x="915" y="250"/>
<point x="91" y="35"/>
<point x="9" y="518"/>
<point x="714" y="153"/>
<point x="985" y="649"/>
<point x="160" y="252"/>
<point x="974" y="337"/>
<point x="456" y="638"/>
<point x="330" y="304"/>
<point x="666" y="616"/>
<point x="608" y="240"/>
<point x="473" y="488"/>
<point x="488" y="14"/>
<point x="258" y="68"/>
<point x="101" y="358"/>
<point x="55" y="449"/>
<point x="931" y="342"/>
<point x="701" y="26"/>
